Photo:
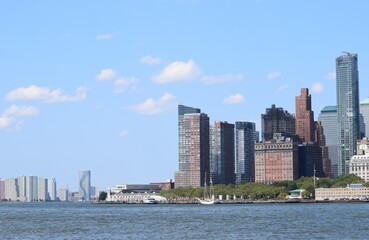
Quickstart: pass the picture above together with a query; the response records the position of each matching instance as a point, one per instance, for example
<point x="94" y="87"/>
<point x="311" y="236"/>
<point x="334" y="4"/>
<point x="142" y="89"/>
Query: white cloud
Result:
<point x="318" y="87"/>
<point x="9" y="117"/>
<point x="283" y="87"/>
<point x="178" y="71"/>
<point x="150" y="60"/>
<point x="273" y="75"/>
<point x="222" y="78"/>
<point x="15" y="111"/>
<point x="331" y="75"/>
<point x="123" y="134"/>
<point x="104" y="36"/>
<point x="152" y="107"/>
<point x="106" y="74"/>
<point x="5" y="122"/>
<point x="121" y="84"/>
<point x="45" y="94"/>
<point x="233" y="99"/>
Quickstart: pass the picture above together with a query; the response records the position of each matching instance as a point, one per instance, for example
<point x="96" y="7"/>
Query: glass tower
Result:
<point x="347" y="90"/>
<point x="245" y="141"/>
<point x="84" y="186"/>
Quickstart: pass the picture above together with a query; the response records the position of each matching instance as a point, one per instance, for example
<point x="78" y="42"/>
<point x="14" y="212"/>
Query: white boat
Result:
<point x="209" y="197"/>
<point x="150" y="200"/>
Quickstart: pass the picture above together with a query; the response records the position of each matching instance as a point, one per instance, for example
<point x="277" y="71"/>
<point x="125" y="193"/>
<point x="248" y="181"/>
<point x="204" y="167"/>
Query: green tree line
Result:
<point x="260" y="191"/>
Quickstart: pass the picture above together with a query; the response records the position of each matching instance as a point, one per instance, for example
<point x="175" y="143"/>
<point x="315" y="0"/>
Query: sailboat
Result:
<point x="208" y="196"/>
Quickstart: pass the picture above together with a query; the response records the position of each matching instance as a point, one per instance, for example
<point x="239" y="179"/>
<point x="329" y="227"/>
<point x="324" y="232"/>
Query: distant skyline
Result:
<point x="95" y="85"/>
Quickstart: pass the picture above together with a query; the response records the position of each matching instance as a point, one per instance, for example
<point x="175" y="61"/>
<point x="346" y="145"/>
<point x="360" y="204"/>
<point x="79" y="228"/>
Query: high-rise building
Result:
<point x="328" y="120"/>
<point x="193" y="143"/>
<point x="22" y="188"/>
<point x="31" y="188"/>
<point x="320" y="141"/>
<point x="304" y="117"/>
<point x="245" y="139"/>
<point x="347" y="84"/>
<point x="63" y="194"/>
<point x="222" y="153"/>
<point x="51" y="189"/>
<point x="364" y="110"/>
<point x="276" y="160"/>
<point x="84" y="186"/>
<point x="310" y="160"/>
<point x="11" y="189"/>
<point x="276" y="120"/>
<point x="42" y="189"/>
<point x="2" y="189"/>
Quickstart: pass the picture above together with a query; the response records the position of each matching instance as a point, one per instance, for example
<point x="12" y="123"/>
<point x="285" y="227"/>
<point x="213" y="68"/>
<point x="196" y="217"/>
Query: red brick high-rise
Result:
<point x="304" y="117"/>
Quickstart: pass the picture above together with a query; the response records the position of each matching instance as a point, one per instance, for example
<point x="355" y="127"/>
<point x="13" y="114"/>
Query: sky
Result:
<point x="94" y="85"/>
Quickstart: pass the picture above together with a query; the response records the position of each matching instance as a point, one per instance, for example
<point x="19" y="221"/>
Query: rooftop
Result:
<point x="329" y="109"/>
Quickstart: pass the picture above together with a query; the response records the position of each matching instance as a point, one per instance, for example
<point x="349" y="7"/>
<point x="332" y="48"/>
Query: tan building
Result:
<point x="352" y="192"/>
<point x="276" y="160"/>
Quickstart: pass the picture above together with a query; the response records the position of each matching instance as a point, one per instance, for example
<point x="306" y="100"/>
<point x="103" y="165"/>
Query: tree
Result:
<point x="102" y="196"/>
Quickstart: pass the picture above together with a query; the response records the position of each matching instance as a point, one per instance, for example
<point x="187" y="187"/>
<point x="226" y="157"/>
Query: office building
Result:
<point x="276" y="160"/>
<point x="84" y="186"/>
<point x="63" y="194"/>
<point x="222" y="157"/>
<point x="51" y="189"/>
<point x="31" y="188"/>
<point x="347" y="84"/>
<point x="245" y="138"/>
<point x="310" y="160"/>
<point x="328" y="120"/>
<point x="276" y="120"/>
<point x="364" y="110"/>
<point x="42" y="189"/>
<point x="304" y="117"/>
<point x="11" y="189"/>
<point x="2" y="189"/>
<point x="359" y="163"/>
<point x="193" y="141"/>
<point x="22" y="189"/>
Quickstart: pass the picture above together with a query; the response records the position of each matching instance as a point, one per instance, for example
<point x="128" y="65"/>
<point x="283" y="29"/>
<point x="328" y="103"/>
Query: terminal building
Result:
<point x="351" y="192"/>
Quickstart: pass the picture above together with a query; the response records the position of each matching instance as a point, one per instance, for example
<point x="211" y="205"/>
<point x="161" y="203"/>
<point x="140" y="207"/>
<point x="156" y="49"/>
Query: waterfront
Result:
<point x="247" y="221"/>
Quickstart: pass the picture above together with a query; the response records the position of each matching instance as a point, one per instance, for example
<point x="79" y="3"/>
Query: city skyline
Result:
<point x="96" y="85"/>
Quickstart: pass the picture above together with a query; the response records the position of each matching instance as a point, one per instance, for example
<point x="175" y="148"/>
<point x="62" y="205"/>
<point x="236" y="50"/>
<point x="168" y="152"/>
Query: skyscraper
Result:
<point x="364" y="110"/>
<point x="42" y="189"/>
<point x="84" y="186"/>
<point x="245" y="160"/>
<point x="51" y="189"/>
<point x="2" y="189"/>
<point x="31" y="188"/>
<point x="222" y="153"/>
<point x="347" y="90"/>
<point x="328" y="120"/>
<point x="304" y="116"/>
<point x="193" y="144"/>
<point x="276" y="120"/>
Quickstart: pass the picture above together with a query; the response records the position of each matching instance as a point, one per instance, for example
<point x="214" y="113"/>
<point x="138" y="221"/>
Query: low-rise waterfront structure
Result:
<point x="134" y="197"/>
<point x="351" y="192"/>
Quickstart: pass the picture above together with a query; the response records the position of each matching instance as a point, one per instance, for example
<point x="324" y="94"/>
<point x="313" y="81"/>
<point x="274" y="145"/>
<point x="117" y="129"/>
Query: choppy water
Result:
<point x="249" y="221"/>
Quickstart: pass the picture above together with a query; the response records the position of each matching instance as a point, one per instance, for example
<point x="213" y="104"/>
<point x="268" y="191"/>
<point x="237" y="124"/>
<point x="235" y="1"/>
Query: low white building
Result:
<point x="133" y="197"/>
<point x="351" y="192"/>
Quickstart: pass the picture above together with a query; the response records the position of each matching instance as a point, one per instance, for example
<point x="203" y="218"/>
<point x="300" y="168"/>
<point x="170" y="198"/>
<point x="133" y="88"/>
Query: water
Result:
<point x="248" y="221"/>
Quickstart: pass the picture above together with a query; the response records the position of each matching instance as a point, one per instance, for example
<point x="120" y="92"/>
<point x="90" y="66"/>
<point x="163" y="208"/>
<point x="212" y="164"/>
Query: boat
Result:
<point x="150" y="200"/>
<point x="208" y="196"/>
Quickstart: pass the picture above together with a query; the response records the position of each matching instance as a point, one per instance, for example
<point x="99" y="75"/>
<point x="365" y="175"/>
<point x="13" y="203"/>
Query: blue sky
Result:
<point x="95" y="84"/>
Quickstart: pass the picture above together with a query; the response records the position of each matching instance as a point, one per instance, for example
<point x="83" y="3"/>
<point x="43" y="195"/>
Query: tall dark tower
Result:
<point x="304" y="117"/>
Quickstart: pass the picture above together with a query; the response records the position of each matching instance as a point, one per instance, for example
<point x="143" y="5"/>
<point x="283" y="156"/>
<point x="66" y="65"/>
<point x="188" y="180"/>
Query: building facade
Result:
<point x="352" y="192"/>
<point x="63" y="194"/>
<point x="328" y="120"/>
<point x="84" y="186"/>
<point x="304" y="117"/>
<point x="347" y="84"/>
<point x="51" y="189"/>
<point x="222" y="157"/>
<point x="2" y="189"/>
<point x="194" y="155"/>
<point x="42" y="189"/>
<point x="245" y="138"/>
<point x="276" y="161"/>
<point x="310" y="160"/>
<point x="276" y="120"/>
<point x="359" y="164"/>
<point x="364" y="110"/>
